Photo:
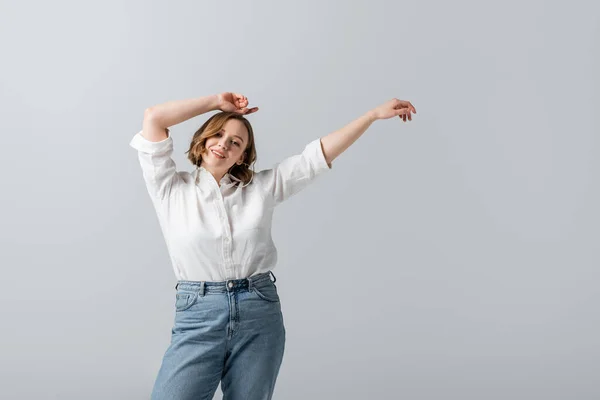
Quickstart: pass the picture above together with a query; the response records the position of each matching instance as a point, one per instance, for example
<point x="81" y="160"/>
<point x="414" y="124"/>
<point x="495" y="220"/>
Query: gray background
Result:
<point x="453" y="257"/>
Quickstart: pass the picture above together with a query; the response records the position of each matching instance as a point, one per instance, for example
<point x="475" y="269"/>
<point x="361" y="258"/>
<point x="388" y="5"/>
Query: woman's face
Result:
<point x="230" y="142"/>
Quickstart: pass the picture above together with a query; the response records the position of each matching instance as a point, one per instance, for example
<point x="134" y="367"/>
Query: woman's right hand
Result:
<point x="234" y="102"/>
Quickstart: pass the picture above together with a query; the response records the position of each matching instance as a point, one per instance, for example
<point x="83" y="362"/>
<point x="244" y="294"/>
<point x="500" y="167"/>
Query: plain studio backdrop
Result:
<point x="452" y="257"/>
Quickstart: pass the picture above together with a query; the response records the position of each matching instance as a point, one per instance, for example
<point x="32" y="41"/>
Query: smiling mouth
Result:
<point x="216" y="154"/>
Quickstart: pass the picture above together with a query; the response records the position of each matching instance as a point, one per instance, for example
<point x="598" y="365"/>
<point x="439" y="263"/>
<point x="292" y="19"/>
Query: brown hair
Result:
<point x="213" y="126"/>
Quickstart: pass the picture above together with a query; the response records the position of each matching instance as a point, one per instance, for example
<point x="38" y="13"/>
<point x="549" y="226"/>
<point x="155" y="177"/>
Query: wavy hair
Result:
<point x="213" y="126"/>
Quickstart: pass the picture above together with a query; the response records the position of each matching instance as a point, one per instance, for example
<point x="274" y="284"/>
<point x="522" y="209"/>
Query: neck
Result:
<point x="218" y="175"/>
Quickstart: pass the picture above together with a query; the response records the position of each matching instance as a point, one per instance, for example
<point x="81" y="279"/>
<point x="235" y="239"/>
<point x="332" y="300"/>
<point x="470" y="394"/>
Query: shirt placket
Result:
<point x="226" y="240"/>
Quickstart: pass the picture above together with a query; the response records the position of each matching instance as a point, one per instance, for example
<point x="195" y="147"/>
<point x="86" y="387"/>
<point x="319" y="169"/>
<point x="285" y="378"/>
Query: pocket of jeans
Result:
<point x="184" y="300"/>
<point x="267" y="292"/>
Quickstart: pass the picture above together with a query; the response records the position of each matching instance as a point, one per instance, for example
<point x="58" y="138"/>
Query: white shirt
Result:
<point x="219" y="233"/>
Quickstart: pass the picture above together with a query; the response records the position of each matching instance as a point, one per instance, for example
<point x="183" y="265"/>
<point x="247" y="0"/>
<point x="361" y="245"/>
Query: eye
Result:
<point x="236" y="143"/>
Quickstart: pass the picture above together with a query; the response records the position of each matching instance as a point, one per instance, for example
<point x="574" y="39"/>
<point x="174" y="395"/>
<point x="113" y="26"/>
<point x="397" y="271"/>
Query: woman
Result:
<point x="217" y="225"/>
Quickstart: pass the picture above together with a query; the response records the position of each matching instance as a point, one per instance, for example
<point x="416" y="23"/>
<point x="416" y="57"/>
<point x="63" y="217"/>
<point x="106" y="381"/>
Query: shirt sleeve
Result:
<point x="158" y="167"/>
<point x="294" y="173"/>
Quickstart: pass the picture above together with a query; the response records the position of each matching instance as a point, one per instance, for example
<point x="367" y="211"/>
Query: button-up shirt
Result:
<point x="219" y="232"/>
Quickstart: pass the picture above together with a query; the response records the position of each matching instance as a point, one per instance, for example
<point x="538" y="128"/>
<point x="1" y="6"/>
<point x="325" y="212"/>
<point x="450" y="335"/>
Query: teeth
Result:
<point x="217" y="154"/>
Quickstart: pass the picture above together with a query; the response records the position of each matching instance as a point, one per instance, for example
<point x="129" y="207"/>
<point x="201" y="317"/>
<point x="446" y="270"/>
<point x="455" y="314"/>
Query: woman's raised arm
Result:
<point x="337" y="142"/>
<point x="160" y="117"/>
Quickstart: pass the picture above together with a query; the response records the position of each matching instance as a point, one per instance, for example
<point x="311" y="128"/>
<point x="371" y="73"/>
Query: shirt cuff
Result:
<point x="315" y="151"/>
<point x="144" y="145"/>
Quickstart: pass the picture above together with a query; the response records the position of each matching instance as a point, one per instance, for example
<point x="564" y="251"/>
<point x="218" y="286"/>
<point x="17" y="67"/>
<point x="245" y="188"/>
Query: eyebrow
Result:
<point x="242" y="139"/>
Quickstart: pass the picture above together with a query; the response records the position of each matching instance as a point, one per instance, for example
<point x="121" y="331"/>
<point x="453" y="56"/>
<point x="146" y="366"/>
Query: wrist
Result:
<point x="215" y="102"/>
<point x="372" y="116"/>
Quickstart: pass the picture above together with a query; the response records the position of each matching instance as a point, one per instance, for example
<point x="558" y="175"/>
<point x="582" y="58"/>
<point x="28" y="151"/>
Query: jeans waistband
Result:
<point x="224" y="286"/>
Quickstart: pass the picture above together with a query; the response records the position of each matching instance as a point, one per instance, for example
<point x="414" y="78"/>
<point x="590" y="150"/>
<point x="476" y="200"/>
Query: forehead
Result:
<point x="236" y="127"/>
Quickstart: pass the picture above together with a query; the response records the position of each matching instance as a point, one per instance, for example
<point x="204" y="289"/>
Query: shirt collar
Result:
<point x="227" y="179"/>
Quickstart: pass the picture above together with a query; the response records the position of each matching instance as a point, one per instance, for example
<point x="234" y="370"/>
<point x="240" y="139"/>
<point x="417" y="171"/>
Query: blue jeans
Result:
<point x="230" y="332"/>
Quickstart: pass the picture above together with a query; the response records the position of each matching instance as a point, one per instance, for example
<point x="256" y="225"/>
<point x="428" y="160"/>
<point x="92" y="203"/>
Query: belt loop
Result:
<point x="274" y="279"/>
<point x="202" y="288"/>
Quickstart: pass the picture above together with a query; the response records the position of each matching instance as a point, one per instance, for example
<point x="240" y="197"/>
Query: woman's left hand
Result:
<point x="395" y="108"/>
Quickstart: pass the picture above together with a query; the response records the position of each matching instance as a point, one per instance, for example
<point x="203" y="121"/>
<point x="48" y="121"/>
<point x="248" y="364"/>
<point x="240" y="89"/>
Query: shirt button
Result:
<point x="227" y="239"/>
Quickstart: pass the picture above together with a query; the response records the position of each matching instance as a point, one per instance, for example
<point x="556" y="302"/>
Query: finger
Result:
<point x="409" y="116"/>
<point x="252" y="110"/>
<point x="409" y="105"/>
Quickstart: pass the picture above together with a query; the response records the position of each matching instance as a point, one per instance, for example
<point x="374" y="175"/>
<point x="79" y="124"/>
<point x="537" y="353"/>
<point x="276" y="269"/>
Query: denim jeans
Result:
<point x="230" y="332"/>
